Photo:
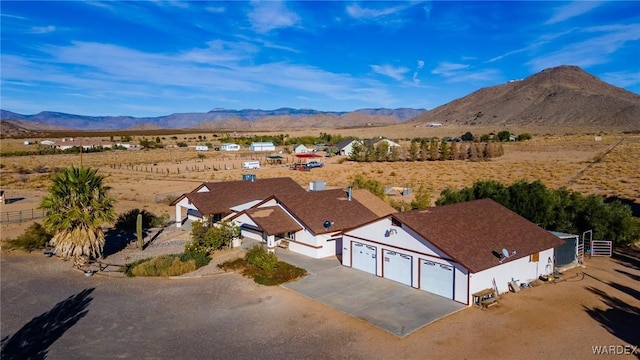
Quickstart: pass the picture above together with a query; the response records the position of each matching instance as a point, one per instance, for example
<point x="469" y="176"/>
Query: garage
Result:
<point x="436" y="278"/>
<point x="363" y="257"/>
<point x="397" y="267"/>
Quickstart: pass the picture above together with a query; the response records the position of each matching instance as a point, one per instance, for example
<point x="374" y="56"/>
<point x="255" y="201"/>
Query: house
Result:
<point x="202" y="148"/>
<point x="71" y="143"/>
<point x="300" y="149"/>
<point x="211" y="201"/>
<point x="262" y="146"/>
<point x="454" y="250"/>
<point x="377" y="141"/>
<point x="310" y="223"/>
<point x="229" y="147"/>
<point x="345" y="147"/>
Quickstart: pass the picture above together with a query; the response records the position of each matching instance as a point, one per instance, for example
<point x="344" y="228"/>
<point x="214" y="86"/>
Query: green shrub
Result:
<point x="166" y="265"/>
<point x="207" y="239"/>
<point x="127" y="221"/>
<point x="280" y="272"/>
<point x="34" y="237"/>
<point x="260" y="258"/>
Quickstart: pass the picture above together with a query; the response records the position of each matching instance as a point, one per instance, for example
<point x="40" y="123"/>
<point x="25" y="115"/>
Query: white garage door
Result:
<point x="436" y="278"/>
<point x="363" y="257"/>
<point x="397" y="267"/>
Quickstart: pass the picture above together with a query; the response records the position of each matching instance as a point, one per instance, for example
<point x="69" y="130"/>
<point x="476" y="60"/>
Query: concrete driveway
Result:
<point x="389" y="305"/>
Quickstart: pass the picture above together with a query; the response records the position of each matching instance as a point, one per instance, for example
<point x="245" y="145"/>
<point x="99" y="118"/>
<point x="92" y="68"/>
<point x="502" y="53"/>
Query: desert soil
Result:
<point x="595" y="305"/>
<point x="229" y="316"/>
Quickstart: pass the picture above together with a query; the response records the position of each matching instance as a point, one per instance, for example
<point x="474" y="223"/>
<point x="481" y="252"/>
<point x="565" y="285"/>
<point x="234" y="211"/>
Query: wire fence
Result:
<point x="22" y="215"/>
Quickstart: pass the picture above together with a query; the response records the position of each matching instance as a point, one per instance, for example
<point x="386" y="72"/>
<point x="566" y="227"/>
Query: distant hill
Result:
<point x="561" y="96"/>
<point x="284" y="118"/>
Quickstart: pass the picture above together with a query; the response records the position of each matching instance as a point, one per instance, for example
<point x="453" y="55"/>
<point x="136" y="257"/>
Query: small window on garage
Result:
<point x="535" y="257"/>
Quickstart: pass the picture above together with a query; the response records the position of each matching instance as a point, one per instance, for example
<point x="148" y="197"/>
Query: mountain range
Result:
<point x="560" y="96"/>
<point x="217" y="119"/>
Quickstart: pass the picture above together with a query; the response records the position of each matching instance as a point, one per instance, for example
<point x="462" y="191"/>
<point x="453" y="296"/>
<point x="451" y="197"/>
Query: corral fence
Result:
<point x="22" y="215"/>
<point x="601" y="248"/>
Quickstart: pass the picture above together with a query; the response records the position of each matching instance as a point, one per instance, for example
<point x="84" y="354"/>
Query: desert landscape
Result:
<point x="590" y="306"/>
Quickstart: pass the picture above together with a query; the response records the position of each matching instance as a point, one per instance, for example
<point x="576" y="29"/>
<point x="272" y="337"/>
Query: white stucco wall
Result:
<point x="522" y="270"/>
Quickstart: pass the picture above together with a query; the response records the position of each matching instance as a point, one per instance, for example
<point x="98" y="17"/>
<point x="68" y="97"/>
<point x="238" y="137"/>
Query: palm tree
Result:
<point x="76" y="208"/>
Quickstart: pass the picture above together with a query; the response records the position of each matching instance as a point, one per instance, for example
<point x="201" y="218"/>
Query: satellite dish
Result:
<point x="327" y="224"/>
<point x="505" y="252"/>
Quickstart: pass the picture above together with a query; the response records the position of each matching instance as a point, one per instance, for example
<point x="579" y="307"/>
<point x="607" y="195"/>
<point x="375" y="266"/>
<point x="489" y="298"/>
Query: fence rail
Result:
<point x="22" y="215"/>
<point x="601" y="248"/>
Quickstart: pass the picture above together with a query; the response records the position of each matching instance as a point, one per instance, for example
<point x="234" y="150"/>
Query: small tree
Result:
<point x="207" y="239"/>
<point x="468" y="136"/>
<point x="504" y="135"/>
<point x="422" y="199"/>
<point x="413" y="151"/>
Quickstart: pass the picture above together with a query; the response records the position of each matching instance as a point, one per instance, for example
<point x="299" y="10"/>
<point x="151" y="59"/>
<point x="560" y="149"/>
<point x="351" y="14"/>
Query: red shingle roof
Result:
<point x="273" y="220"/>
<point x="226" y="194"/>
<point x="473" y="233"/>
<point x="315" y="207"/>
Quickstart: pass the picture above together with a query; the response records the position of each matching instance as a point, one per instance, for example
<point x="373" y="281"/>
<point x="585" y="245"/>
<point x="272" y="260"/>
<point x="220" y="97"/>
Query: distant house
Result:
<point x="434" y="124"/>
<point x="300" y="149"/>
<point x="71" y="143"/>
<point x="377" y="141"/>
<point x="345" y="147"/>
<point x="229" y="147"/>
<point x="262" y="146"/>
<point x="202" y="148"/>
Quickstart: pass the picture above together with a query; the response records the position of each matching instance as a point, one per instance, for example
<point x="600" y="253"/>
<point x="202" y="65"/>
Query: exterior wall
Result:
<point x="522" y="270"/>
<point x="300" y="149"/>
<point x="315" y="246"/>
<point x="182" y="204"/>
<point x="262" y="147"/>
<point x="346" y="151"/>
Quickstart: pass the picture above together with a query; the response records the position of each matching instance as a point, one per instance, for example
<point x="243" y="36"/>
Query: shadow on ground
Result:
<point x="33" y="340"/>
<point x="620" y="318"/>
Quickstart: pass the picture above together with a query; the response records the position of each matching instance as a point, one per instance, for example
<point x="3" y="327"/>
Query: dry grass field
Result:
<point x="143" y="178"/>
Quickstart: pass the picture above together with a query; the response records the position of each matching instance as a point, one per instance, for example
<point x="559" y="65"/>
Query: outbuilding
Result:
<point x="262" y="146"/>
<point x="229" y="147"/>
<point x="454" y="250"/>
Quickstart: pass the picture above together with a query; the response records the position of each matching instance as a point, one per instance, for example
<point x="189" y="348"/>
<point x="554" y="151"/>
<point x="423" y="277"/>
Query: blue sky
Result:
<point x="152" y="58"/>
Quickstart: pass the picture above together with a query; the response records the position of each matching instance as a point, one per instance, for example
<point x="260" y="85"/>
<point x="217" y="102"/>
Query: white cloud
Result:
<point x="572" y="10"/>
<point x="589" y="52"/>
<point x="270" y="15"/>
<point x="221" y="70"/>
<point x="393" y="72"/>
<point x="448" y="69"/>
<point x="42" y="29"/>
<point x="622" y="78"/>
<point x="358" y="12"/>
<point x="215" y="9"/>
<point x="417" y="71"/>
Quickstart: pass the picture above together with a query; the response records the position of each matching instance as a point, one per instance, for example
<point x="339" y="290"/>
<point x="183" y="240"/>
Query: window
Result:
<point x="534" y="257"/>
<point x="288" y="235"/>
